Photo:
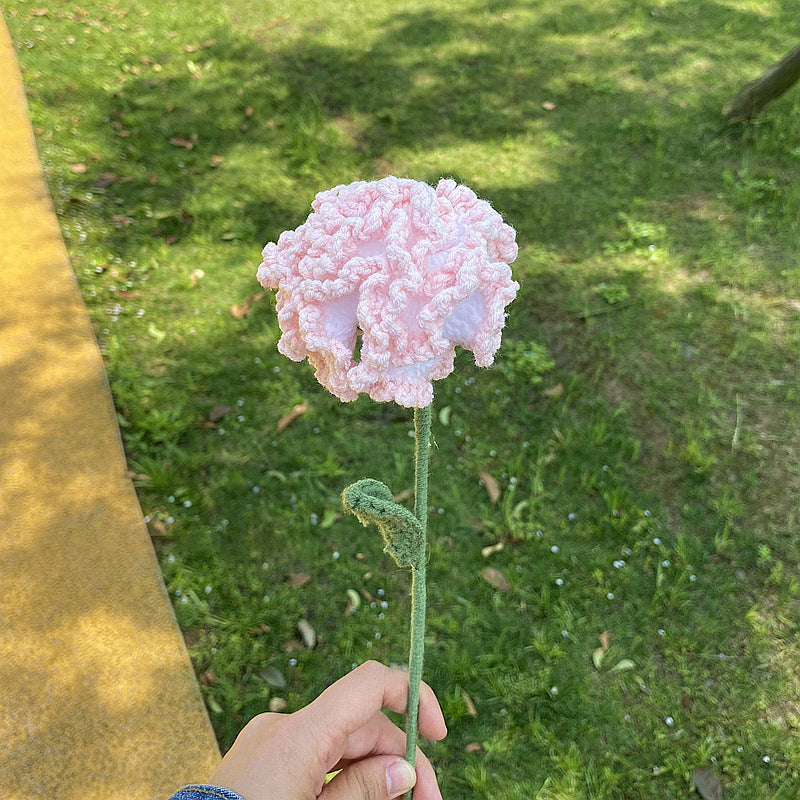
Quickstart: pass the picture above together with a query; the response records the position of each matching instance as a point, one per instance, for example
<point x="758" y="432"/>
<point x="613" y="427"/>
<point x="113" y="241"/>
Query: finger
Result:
<point x="376" y="778"/>
<point x="349" y="703"/>
<point x="381" y="737"/>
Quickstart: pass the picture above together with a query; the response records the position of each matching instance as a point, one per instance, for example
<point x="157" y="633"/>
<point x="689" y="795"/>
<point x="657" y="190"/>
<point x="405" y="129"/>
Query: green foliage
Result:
<point x="640" y="423"/>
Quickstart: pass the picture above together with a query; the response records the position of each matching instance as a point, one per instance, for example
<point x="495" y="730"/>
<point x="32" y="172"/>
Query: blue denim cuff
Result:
<point x="201" y="792"/>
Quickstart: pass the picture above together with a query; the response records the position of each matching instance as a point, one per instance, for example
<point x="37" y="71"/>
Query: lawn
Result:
<point x="640" y="425"/>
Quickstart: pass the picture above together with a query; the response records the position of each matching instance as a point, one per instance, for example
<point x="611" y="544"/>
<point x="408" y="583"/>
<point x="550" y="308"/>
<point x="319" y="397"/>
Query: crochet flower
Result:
<point x="410" y="269"/>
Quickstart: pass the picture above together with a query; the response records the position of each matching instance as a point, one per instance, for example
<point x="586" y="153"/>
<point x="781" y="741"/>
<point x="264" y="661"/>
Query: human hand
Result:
<point x="287" y="756"/>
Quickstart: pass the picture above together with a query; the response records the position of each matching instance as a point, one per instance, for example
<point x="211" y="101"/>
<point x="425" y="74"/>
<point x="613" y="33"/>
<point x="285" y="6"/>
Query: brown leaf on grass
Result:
<point x="492" y="549"/>
<point x="554" y="391"/>
<point x="293" y="646"/>
<point x="218" y="412"/>
<point x="208" y="677"/>
<point x="78" y="169"/>
<point x="277" y="705"/>
<point x="240" y="312"/>
<point x="182" y="141"/>
<point x="605" y="640"/>
<point x="248" y="112"/>
<point x="216" y="160"/>
<point x="307" y="633"/>
<point x="496" y="578"/>
<point x="707" y="784"/>
<point x="474" y="747"/>
<point x="204" y="423"/>
<point x="401" y="497"/>
<point x="39" y="12"/>
<point x="170" y="240"/>
<point x="287" y="419"/>
<point x="492" y="486"/>
<point x="548" y="105"/>
<point x="299" y="579"/>
<point x="105" y="179"/>
<point x="137" y="476"/>
<point x="193" y="48"/>
<point x="471" y="710"/>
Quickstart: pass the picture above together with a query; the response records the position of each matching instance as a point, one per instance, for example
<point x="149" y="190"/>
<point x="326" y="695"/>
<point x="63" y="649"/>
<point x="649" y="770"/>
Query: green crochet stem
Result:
<point x="422" y="436"/>
<point x="404" y="535"/>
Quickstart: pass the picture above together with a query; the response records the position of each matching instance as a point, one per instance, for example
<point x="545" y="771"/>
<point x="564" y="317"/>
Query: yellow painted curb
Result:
<point x="98" y="700"/>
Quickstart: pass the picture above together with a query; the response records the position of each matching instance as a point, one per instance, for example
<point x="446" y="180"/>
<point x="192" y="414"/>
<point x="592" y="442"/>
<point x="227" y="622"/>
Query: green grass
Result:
<point x="644" y="407"/>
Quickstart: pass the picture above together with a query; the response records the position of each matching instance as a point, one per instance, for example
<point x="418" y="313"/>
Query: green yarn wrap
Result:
<point x="372" y="502"/>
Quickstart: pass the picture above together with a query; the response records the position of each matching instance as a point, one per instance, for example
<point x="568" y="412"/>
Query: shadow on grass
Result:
<point x="652" y="381"/>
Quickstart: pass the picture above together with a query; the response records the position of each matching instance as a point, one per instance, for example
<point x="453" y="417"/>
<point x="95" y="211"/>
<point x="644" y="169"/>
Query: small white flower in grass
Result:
<point x="178" y="593"/>
<point x="693" y="578"/>
<point x="492" y="453"/>
<point x="240" y="402"/>
<point x="554" y="690"/>
<point x="619" y="564"/>
<point x="666" y="563"/>
<point x="559" y="581"/>
<point x="467" y="438"/>
<point x="626" y="551"/>
<point x="208" y="590"/>
<point x="572" y="516"/>
<point x="377" y="634"/>
<point x="384" y="604"/>
<point x="656" y="770"/>
<point x="187" y="503"/>
<point x="147" y="518"/>
<point x="662" y="632"/>
<point x="265" y="565"/>
<point x="669" y="721"/>
<point x="657" y="542"/>
<point x="336" y="554"/>
<point x="221" y="431"/>
<point x="647" y="512"/>
<point x="610" y="596"/>
<point x="240" y="418"/>
<point x="256" y="489"/>
<point x="554" y="548"/>
<point x="314" y="519"/>
<point x="381" y="592"/>
<point x="539" y="534"/>
<point x="171" y="498"/>
<point x="170" y="520"/>
<point x="565" y="634"/>
<point x="627" y="718"/>
<point x="184" y="600"/>
<point x="292" y="662"/>
<point x="171" y="559"/>
<point x="766" y="759"/>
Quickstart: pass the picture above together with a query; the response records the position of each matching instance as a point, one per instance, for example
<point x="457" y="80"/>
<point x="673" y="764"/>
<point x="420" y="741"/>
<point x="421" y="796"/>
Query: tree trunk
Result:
<point x="773" y="83"/>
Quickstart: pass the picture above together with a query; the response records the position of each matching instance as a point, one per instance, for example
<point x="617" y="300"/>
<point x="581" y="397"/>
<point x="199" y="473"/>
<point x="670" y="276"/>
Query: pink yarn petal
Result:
<point x="416" y="270"/>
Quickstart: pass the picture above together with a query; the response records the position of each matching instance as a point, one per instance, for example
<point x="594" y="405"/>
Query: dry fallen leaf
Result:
<point x="196" y="275"/>
<point x="353" y="602"/>
<point x="182" y="141"/>
<point x="404" y="495"/>
<point x="217" y="160"/>
<point x="471" y="710"/>
<point x="39" y="12"/>
<point x="492" y="549"/>
<point x="208" y="677"/>
<point x="78" y="169"/>
<point x="105" y="179"/>
<point x="707" y="784"/>
<point x="294" y="646"/>
<point x="308" y="634"/>
<point x="288" y="419"/>
<point x="277" y="705"/>
<point x="240" y="312"/>
<point x="495" y="578"/>
<point x="548" y="105"/>
<point x="605" y="640"/>
<point x="474" y="747"/>
<point x="555" y="391"/>
<point x="492" y="486"/>
<point x="218" y="412"/>
<point x="299" y="579"/>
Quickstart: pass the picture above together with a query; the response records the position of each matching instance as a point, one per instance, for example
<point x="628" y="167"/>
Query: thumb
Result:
<point x="376" y="778"/>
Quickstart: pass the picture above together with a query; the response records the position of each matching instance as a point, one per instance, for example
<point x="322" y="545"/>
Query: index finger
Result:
<point x="349" y="704"/>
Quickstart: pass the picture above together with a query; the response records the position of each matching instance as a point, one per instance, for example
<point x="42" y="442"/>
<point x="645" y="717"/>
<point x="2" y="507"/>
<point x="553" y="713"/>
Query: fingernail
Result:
<point x="400" y="777"/>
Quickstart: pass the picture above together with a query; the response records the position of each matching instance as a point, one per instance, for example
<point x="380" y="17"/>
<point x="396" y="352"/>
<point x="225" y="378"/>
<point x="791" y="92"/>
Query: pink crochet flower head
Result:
<point x="411" y="269"/>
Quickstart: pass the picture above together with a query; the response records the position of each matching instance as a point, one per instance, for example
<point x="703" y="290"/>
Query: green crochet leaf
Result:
<point x="372" y="502"/>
